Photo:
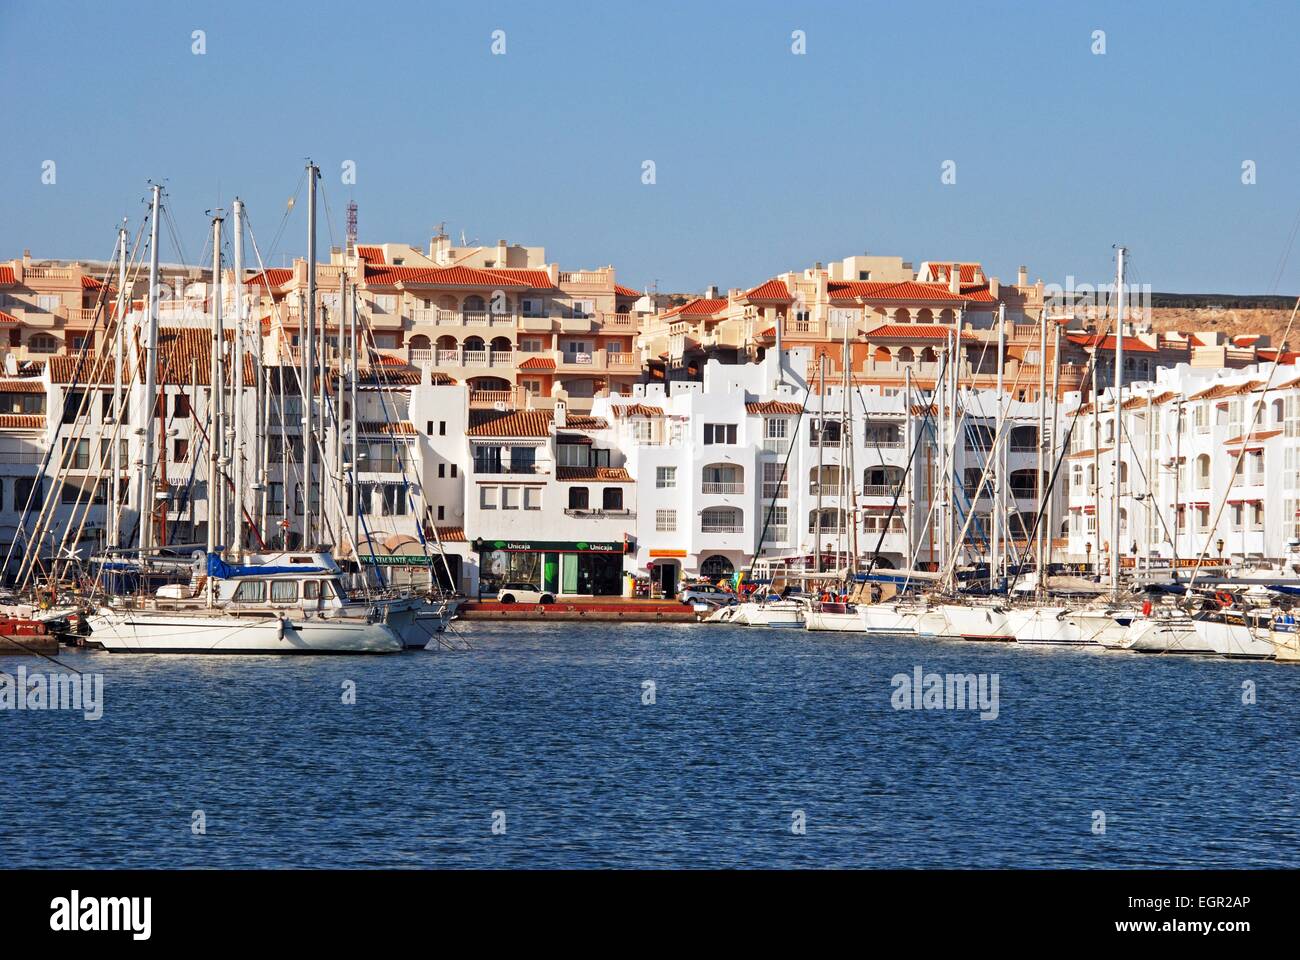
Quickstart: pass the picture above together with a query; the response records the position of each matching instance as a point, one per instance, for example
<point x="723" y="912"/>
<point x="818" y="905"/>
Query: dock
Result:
<point x="596" y="610"/>
<point x="46" y="643"/>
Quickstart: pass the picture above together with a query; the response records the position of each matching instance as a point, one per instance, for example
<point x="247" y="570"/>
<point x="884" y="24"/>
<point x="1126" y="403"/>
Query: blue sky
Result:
<point x="765" y="160"/>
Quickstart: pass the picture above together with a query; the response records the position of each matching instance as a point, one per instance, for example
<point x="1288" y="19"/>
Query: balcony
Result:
<point x="382" y="465"/>
<point x="722" y="488"/>
<point x="722" y="528"/>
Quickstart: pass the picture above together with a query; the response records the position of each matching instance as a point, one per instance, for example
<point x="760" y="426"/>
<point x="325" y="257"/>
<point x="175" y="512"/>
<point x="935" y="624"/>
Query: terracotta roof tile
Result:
<point x="22" y="421"/>
<point x="943" y="271"/>
<point x="699" y="307"/>
<point x="275" y="276"/>
<point x="370" y="254"/>
<point x="536" y="279"/>
<point x="22" y="386"/>
<point x="451" y="534"/>
<point x="538" y="363"/>
<point x="386" y="428"/>
<point x="883" y="291"/>
<point x="1224" y="390"/>
<point x="607" y="474"/>
<point x="7" y="277"/>
<point x="443" y="276"/>
<point x="1255" y="437"/>
<point x="771" y="290"/>
<point x="638" y="410"/>
<point x="773" y="406"/>
<point x="622" y="291"/>
<point x="1131" y="344"/>
<point x="8" y="319"/>
<point x="914" y="331"/>
<point x="514" y="423"/>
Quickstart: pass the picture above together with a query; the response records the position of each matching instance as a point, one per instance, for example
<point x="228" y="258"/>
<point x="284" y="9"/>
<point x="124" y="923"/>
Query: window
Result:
<point x="180" y="450"/>
<point x="487" y="459"/>
<point x="442" y="428"/>
<point x="181" y="406"/>
<point x="28" y="489"/>
<point x="777" y="525"/>
<point x="442" y="471"/>
<point x="394" y="500"/>
<point x="774" y="483"/>
<point x="643" y="430"/>
<point x="251" y="591"/>
<point x="442" y="512"/>
<point x="453" y="470"/>
<point x="721" y="520"/>
<point x="823" y="432"/>
<point x="76" y="456"/>
<point x="530" y="344"/>
<point x="532" y="498"/>
<point x="384" y="303"/>
<point x="43" y="343"/>
<point x="572" y="455"/>
<point x="284" y="591"/>
<point x="612" y="498"/>
<point x="719" y="433"/>
<point x="523" y="460"/>
<point x="487" y="498"/>
<point x="666" y="521"/>
<point x="1257" y="515"/>
<point x="578" y="498"/>
<point x="509" y="498"/>
<point x="665" y="478"/>
<point x="275" y="499"/>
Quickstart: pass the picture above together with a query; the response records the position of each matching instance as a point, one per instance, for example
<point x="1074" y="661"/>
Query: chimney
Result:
<point x="711" y="293"/>
<point x="994" y="287"/>
<point x="1022" y="278"/>
<point x="561" y="414"/>
<point x="502" y="256"/>
<point x="954" y="278"/>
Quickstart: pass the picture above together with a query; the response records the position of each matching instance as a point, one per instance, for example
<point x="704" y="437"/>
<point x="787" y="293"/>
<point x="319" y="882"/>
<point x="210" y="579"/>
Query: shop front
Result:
<point x="565" y="568"/>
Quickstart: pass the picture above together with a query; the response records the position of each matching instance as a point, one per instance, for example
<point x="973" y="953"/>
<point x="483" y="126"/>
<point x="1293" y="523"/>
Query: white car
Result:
<point x="524" y="593"/>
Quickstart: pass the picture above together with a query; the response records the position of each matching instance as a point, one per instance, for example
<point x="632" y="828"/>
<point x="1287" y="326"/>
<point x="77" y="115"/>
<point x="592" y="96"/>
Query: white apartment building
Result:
<point x="1209" y="465"/>
<point x="748" y="464"/>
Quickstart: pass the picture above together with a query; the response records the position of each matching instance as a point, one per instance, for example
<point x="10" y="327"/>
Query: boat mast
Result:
<point x="1039" y="486"/>
<point x="338" y="405"/>
<point x="215" y="493"/>
<point x="957" y="547"/>
<point x="308" y="356"/>
<point x="352" y="433"/>
<point x="115" y="502"/>
<point x="1119" y="422"/>
<point x="1096" y="459"/>
<point x="909" y="492"/>
<point x="238" y="405"/>
<point x="998" y="452"/>
<point x="150" y="379"/>
<point x="821" y="447"/>
<point x="1051" y="439"/>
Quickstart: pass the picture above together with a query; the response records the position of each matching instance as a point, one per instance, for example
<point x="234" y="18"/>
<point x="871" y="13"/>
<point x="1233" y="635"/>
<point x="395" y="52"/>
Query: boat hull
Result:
<point x="887" y="618"/>
<point x="1166" y="635"/>
<point x="1234" y="640"/>
<point x="830" y="622"/>
<point x="977" y="623"/>
<point x="166" y="632"/>
<point x="1047" y="626"/>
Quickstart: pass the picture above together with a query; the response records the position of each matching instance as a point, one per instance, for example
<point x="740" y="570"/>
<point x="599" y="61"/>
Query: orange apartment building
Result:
<point x="516" y="330"/>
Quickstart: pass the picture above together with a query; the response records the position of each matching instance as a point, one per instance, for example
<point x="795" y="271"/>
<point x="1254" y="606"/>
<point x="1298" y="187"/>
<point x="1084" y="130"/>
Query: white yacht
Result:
<point x="979" y="620"/>
<point x="274" y="603"/>
<point x="1236" y="633"/>
<point x="1107" y="626"/>
<point x="1045" y="625"/>
<point x="1166" y="631"/>
<point x="891" y="616"/>
<point x="833" y="617"/>
<point x="772" y="612"/>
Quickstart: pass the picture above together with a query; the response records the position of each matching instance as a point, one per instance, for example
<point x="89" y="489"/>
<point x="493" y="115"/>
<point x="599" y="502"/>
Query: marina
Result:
<point x="547" y="721"/>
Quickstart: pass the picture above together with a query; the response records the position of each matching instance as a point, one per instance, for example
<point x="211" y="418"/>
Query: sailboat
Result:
<point x="261" y="603"/>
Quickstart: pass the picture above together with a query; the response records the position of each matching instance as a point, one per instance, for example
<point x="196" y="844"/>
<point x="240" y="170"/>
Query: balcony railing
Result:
<point x="878" y="490"/>
<point x="721" y="528"/>
<point x="499" y="467"/>
<point x="723" y="487"/>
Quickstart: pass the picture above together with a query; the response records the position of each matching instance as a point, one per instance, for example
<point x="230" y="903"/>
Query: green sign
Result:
<point x="550" y="546"/>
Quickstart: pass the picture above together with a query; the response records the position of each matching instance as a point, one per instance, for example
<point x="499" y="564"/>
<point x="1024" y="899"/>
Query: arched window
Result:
<point x="717" y="567"/>
<point x="906" y="355"/>
<point x="882" y="355"/>
<point x="1203" y="472"/>
<point x="419" y="342"/>
<point x="826" y="520"/>
<point x="826" y="477"/>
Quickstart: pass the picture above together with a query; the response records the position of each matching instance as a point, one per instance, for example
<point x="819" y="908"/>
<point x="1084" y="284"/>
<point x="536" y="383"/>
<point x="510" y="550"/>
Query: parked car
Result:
<point x="706" y="593"/>
<point x="524" y="593"/>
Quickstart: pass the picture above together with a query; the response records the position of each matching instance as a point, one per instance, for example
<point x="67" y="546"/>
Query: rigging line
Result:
<point x="1280" y="270"/>
<point x="329" y="220"/>
<point x="1259" y="408"/>
<point x="785" y="464"/>
<point x="24" y="568"/>
<point x="284" y="220"/>
<point x="1098" y="343"/>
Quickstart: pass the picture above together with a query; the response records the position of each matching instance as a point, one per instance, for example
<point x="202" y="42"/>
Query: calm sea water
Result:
<point x="749" y="725"/>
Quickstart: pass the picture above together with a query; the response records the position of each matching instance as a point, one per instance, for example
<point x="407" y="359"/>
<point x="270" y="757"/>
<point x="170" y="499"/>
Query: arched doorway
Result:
<point x="717" y="567"/>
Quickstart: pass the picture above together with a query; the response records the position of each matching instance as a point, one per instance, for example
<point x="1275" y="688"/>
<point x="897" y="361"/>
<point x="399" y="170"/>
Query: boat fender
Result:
<point x="1060" y="617"/>
<point x="279" y="631"/>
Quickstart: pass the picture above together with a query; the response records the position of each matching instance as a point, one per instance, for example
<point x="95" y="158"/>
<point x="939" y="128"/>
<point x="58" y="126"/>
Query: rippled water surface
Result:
<point x="749" y="725"/>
